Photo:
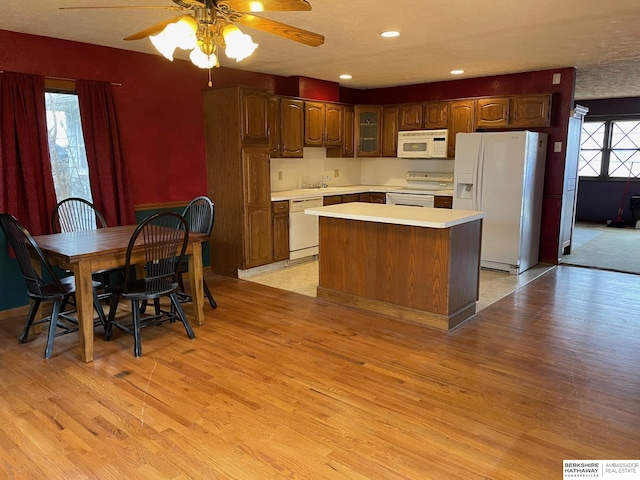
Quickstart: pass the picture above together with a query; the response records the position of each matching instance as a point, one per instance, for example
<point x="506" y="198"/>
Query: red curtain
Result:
<point x="107" y="170"/>
<point x="27" y="184"/>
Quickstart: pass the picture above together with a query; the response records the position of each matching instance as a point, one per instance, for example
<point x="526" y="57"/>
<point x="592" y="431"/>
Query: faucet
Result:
<point x="323" y="183"/>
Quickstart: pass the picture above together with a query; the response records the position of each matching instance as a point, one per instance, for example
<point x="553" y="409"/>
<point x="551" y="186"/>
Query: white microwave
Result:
<point x="423" y="144"/>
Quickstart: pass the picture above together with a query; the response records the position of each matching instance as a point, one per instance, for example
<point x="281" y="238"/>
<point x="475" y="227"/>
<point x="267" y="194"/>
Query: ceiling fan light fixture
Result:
<point x="239" y="45"/>
<point x="180" y="34"/>
<point x="203" y="60"/>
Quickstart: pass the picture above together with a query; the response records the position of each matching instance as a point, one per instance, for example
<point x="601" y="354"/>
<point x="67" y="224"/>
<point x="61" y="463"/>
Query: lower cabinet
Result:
<point x="442" y="201"/>
<point x="280" y="213"/>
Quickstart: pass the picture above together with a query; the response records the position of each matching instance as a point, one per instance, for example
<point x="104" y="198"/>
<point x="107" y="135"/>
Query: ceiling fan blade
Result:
<point x="269" y="5"/>
<point x="153" y="29"/>
<point x="282" y="29"/>
<point x="122" y="6"/>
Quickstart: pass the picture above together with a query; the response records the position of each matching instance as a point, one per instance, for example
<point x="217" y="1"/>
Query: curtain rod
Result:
<point x="72" y="79"/>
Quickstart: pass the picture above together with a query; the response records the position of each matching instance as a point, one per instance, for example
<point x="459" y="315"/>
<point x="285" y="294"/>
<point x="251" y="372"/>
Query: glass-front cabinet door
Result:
<point x="368" y="129"/>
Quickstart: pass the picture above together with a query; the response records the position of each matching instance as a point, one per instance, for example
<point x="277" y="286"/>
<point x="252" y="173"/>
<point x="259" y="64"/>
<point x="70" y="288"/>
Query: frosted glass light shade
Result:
<point x="180" y="34"/>
<point x="239" y="45"/>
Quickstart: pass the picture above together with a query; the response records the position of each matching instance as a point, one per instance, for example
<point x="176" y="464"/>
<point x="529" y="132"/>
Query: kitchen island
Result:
<point x="416" y="264"/>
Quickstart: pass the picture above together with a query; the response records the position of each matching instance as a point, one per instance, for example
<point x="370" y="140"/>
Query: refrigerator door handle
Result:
<point x="478" y="167"/>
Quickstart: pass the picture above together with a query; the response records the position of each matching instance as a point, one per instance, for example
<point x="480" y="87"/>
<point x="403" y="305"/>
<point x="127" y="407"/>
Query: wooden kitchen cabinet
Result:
<point x="314" y="124"/>
<point x="347" y="146"/>
<point x="411" y="116"/>
<point x="368" y="130"/>
<point x="390" y="119"/>
<point x="286" y="126"/>
<point x="323" y="124"/>
<point x="254" y="108"/>
<point x="530" y="111"/>
<point x="238" y="180"/>
<point x="443" y="201"/>
<point x="436" y="115"/>
<point x="280" y="216"/>
<point x="461" y="120"/>
<point x="492" y="112"/>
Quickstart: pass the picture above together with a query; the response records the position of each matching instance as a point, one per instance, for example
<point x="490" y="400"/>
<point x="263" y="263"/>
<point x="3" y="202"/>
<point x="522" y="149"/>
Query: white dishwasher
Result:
<point x="303" y="229"/>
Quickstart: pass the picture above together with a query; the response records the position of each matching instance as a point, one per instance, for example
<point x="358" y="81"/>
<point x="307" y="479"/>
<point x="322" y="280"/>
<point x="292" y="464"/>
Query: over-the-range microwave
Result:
<point x="423" y="144"/>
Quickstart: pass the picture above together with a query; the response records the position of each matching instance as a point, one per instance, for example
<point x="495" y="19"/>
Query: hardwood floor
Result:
<point x="282" y="385"/>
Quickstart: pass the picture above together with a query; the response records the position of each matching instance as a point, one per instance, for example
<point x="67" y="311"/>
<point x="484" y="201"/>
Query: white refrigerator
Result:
<point x="502" y="174"/>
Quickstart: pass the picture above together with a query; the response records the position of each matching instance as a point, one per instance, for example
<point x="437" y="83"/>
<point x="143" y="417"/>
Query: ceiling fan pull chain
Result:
<point x="210" y="82"/>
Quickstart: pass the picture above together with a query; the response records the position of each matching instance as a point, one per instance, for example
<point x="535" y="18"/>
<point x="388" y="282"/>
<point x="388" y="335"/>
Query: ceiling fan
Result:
<point x="205" y="25"/>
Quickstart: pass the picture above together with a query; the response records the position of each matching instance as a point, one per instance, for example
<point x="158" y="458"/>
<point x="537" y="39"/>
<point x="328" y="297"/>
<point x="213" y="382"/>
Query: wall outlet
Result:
<point x="279" y="174"/>
<point x="557" y="147"/>
<point x="336" y="173"/>
<point x="556" y="78"/>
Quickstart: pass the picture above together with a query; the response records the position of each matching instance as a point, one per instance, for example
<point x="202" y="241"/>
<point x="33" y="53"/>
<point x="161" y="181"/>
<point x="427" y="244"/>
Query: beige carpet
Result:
<point x="606" y="248"/>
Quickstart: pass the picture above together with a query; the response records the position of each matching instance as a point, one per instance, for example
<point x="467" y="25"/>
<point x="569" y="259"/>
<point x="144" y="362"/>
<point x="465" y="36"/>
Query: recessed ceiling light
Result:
<point x="390" y="34"/>
<point x="456" y="72"/>
<point x="346" y="76"/>
<point x="256" y="7"/>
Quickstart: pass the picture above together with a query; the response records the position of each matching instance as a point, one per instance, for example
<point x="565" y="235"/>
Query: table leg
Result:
<point x="84" y="303"/>
<point x="195" y="280"/>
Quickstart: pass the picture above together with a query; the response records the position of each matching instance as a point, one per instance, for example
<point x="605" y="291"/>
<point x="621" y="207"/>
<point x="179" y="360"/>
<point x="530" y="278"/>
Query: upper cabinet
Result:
<point x="530" y="111"/>
<point x="461" y="120"/>
<point x="411" y="116"/>
<point x="286" y="124"/>
<point x="368" y="130"/>
<point x="254" y="108"/>
<point x="436" y="115"/>
<point x="518" y="111"/>
<point x="323" y="124"/>
<point x="390" y="117"/>
<point x="492" y="112"/>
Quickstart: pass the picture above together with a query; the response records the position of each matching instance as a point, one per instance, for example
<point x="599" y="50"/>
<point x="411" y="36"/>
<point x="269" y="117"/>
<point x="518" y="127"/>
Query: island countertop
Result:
<point x="398" y="214"/>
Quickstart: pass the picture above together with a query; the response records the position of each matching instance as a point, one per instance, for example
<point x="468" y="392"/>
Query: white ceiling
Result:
<point x="491" y="37"/>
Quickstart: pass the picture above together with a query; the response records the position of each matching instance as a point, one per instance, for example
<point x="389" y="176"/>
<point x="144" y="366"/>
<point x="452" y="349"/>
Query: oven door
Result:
<point x="411" y="199"/>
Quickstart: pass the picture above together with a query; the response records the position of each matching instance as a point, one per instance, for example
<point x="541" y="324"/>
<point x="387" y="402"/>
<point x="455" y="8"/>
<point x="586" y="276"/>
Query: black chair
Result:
<point x="164" y="237"/>
<point x="76" y="214"/>
<point x="58" y="290"/>
<point x="199" y="214"/>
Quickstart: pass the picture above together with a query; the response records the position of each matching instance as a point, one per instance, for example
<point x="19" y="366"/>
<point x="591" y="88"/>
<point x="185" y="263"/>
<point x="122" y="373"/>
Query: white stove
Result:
<point x="421" y="188"/>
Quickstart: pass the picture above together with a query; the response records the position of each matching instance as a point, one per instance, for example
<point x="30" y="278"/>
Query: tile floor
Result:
<point x="303" y="278"/>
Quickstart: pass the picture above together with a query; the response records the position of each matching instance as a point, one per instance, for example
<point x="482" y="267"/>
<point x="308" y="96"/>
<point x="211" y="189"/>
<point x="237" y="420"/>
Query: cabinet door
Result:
<point x="333" y="124"/>
<point x="348" y="143"/>
<point x="255" y="129"/>
<point x="332" y="200"/>
<point x="390" y="115"/>
<point x="291" y="127"/>
<point x="314" y="113"/>
<point x="436" y="115"/>
<point x="376" y="197"/>
<point x="461" y="119"/>
<point x="273" y="123"/>
<point x="443" y="201"/>
<point x="280" y="212"/>
<point x="350" y="197"/>
<point x="492" y="112"/>
<point x="411" y="116"/>
<point x="258" y="240"/>
<point x="531" y="110"/>
<point x="367" y="131"/>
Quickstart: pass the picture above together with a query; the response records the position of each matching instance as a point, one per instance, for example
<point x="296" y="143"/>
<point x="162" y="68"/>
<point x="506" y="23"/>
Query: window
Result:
<point x="610" y="149"/>
<point x="66" y="146"/>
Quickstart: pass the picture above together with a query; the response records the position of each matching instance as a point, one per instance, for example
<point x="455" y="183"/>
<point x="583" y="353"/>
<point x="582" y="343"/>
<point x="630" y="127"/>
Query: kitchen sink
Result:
<point x="327" y="189"/>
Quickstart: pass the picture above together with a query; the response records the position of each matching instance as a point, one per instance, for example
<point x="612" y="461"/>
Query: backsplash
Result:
<point x="293" y="173"/>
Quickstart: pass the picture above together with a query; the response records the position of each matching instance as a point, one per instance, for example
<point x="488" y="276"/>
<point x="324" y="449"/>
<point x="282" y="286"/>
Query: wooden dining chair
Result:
<point x="199" y="214"/>
<point x="164" y="237"/>
<point x="58" y="290"/>
<point x="75" y="214"/>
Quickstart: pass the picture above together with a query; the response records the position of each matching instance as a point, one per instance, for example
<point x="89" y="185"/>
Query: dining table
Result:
<point x="89" y="251"/>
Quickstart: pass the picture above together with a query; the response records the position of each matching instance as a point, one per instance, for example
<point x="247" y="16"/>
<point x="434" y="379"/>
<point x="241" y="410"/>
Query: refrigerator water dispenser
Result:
<point x="464" y="185"/>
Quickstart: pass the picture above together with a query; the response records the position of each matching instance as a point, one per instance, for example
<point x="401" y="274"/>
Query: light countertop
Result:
<point x="323" y="192"/>
<point x="398" y="214"/>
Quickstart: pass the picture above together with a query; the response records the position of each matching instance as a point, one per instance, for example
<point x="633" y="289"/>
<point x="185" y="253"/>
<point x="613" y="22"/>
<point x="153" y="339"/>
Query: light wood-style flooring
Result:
<point x="282" y="385"/>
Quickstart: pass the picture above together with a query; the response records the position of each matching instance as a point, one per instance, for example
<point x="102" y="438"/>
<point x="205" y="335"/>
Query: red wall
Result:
<point x="162" y="125"/>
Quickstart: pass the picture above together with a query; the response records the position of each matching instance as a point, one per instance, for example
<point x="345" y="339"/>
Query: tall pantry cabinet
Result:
<point x="238" y="178"/>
